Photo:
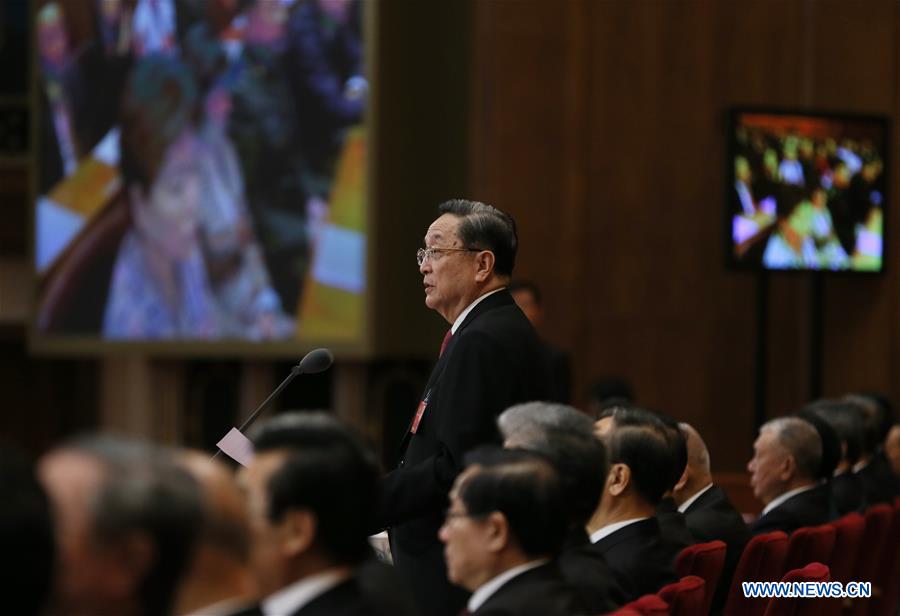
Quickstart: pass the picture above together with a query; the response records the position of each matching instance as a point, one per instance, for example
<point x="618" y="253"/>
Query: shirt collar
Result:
<point x="778" y="500"/>
<point x="486" y="590"/>
<point x="462" y="315"/>
<point x="609" y="529"/>
<point x="291" y="598"/>
<point x="683" y="506"/>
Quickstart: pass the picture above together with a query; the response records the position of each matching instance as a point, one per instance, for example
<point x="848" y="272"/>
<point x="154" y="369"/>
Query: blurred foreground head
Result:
<point x="126" y="519"/>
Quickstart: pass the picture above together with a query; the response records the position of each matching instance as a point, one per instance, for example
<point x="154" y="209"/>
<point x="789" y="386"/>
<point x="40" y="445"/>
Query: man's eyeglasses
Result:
<point x="450" y="515"/>
<point x="433" y="254"/>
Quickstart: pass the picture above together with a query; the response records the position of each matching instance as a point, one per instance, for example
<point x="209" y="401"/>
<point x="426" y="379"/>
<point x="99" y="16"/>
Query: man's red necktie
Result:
<point x="446" y="341"/>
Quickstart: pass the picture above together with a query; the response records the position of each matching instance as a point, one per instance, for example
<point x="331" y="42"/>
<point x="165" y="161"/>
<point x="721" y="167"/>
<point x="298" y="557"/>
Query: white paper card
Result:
<point x="237" y="447"/>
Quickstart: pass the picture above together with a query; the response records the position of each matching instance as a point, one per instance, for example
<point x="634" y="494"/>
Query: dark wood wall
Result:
<point x="600" y="125"/>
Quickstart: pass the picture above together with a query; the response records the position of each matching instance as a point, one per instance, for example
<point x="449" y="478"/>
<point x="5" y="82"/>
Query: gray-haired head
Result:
<point x="484" y="227"/>
<point x="801" y="440"/>
<point x="529" y="423"/>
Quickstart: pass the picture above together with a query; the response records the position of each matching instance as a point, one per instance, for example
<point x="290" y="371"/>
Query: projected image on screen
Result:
<point x="807" y="191"/>
<point x="202" y="169"/>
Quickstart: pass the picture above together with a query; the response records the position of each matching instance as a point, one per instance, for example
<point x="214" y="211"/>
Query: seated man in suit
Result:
<point x="707" y="511"/>
<point x="784" y="476"/>
<point x="528" y="297"/>
<point x="505" y="524"/>
<point x="311" y="490"/>
<point x="847" y="491"/>
<point x="26" y="537"/>
<point x="126" y="520"/>
<point x="624" y="528"/>
<point x="873" y="469"/>
<point x="892" y="451"/>
<point x="218" y="580"/>
<point x="671" y="520"/>
<point x="565" y="436"/>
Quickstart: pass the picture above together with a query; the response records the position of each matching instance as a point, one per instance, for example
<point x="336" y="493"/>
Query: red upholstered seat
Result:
<point x="847" y="542"/>
<point x="887" y="577"/>
<point x="762" y="561"/>
<point x="811" y="544"/>
<point x="686" y="597"/>
<point x="704" y="560"/>
<point x="813" y="572"/>
<point x="878" y="525"/>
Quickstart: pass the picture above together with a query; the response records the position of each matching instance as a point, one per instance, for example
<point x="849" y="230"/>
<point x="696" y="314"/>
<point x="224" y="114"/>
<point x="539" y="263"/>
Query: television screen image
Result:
<point x="806" y="191"/>
<point x="202" y="171"/>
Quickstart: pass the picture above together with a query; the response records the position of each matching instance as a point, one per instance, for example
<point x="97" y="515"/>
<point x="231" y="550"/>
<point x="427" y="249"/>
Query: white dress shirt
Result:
<point x="609" y="529"/>
<point x="291" y="598"/>
<point x="683" y="506"/>
<point x="462" y="315"/>
<point x="780" y="499"/>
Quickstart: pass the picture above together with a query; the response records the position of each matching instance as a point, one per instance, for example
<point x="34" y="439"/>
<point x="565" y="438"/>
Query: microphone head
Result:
<point x="317" y="360"/>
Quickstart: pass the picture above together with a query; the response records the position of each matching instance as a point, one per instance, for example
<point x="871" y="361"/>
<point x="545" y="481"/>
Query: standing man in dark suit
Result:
<point x="490" y="359"/>
<point x="506" y="522"/>
<point x="784" y="475"/>
<point x="708" y="512"/>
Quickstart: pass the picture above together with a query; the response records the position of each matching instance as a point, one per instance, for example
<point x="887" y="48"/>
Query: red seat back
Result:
<point x="847" y="542"/>
<point x="686" y="597"/>
<point x="887" y="577"/>
<point x="704" y="560"/>
<point x="761" y="561"/>
<point x="813" y="572"/>
<point x="878" y="524"/>
<point x="812" y="544"/>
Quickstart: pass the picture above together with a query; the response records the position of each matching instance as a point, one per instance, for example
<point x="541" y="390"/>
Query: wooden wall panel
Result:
<point x="634" y="171"/>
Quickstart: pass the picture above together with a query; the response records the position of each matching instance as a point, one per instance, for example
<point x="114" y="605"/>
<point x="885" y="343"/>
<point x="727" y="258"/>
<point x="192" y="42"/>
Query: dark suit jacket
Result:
<point x="847" y="493"/>
<point x="560" y="372"/>
<point x="640" y="558"/>
<point x="673" y="524"/>
<point x="345" y="599"/>
<point x="586" y="571"/>
<point x="712" y="517"/>
<point x="493" y="361"/>
<point x="537" y="592"/>
<point x="810" y="508"/>
<point x="878" y="481"/>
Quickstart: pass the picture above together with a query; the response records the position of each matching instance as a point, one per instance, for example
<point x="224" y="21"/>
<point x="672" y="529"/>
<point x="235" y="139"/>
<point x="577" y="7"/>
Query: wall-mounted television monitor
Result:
<point x="202" y="173"/>
<point x="806" y="191"/>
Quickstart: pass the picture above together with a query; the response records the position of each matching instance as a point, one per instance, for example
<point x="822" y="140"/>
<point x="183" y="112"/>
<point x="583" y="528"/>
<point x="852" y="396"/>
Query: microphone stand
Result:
<point x="295" y="372"/>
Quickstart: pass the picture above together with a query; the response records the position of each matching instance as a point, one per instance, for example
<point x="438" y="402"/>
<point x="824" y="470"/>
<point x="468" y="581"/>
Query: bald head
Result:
<point x="220" y="567"/>
<point x="697" y="474"/>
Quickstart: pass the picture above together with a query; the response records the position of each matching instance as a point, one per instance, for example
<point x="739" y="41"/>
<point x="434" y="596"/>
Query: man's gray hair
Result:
<point x="800" y="439"/>
<point x="532" y="422"/>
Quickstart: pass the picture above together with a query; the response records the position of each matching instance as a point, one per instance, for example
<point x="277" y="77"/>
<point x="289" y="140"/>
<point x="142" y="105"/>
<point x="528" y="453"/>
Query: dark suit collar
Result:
<point x="711" y="496"/>
<point x="494" y="300"/>
<point x="643" y="528"/>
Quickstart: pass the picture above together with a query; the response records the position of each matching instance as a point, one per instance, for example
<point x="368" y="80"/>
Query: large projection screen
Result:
<point x="202" y="175"/>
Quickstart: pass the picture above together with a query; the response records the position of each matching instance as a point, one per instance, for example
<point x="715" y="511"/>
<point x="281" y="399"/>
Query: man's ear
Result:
<point x="129" y="559"/>
<point x="497" y="535"/>
<point x="788" y="468"/>
<point x="681" y="481"/>
<point x="484" y="262"/>
<point x="298" y="531"/>
<point x="619" y="479"/>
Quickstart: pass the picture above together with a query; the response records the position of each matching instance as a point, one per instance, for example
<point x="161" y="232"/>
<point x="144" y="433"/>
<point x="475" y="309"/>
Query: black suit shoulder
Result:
<point x="810" y="508"/>
<point x="537" y="592"/>
<point x="847" y="493"/>
<point x="712" y="517"/>
<point x="587" y="572"/>
<point x="673" y="525"/>
<point x="640" y="558"/>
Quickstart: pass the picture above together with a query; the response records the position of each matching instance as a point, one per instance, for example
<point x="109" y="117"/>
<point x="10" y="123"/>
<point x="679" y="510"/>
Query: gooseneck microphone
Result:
<point x="314" y="362"/>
